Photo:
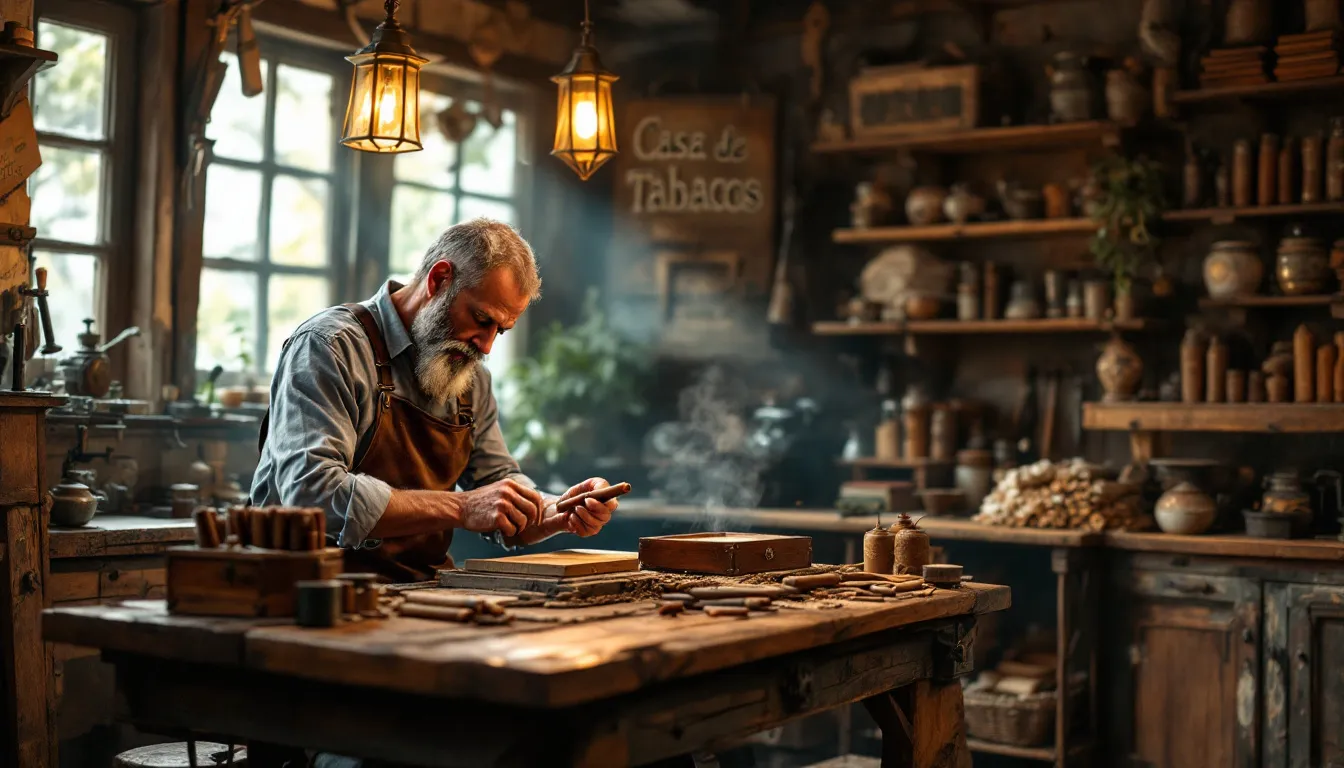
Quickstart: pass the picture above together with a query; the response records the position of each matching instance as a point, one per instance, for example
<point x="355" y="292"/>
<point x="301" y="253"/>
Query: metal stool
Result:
<point x="178" y="755"/>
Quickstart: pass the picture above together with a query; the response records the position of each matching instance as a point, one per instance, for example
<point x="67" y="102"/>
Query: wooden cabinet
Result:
<point x="1304" y="676"/>
<point x="1194" y="650"/>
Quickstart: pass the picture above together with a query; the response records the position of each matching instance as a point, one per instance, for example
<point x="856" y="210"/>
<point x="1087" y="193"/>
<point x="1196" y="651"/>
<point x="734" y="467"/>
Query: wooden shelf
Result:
<point x="1265" y="418"/>
<point x="946" y="327"/>
<point x="1266" y="91"/>
<point x="971" y="231"/>
<point x="1228" y="545"/>
<point x="870" y="462"/>
<point x="1228" y="215"/>
<point x="1041" y="138"/>
<point x="1321" y="300"/>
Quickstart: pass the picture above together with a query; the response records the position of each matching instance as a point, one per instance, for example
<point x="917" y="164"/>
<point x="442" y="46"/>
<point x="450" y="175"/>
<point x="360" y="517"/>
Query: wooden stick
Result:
<point x="745" y="590"/>
<point x="423" y="611"/>
<point x="812" y="582"/>
<point x="280" y="528"/>
<point x="726" y="610"/>
<point x="260" y="520"/>
<point x="601" y="494"/>
<point x="207" y="530"/>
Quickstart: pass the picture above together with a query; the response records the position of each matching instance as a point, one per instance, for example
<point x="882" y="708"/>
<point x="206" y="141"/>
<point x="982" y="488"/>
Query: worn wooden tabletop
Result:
<point x="599" y="652"/>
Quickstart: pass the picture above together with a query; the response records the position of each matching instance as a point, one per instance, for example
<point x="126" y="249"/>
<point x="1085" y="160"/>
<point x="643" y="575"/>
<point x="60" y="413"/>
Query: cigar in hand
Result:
<point x="601" y="494"/>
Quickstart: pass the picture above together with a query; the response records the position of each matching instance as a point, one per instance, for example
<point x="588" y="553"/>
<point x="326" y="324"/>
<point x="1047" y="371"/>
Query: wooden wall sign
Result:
<point x="19" y="155"/>
<point x="697" y="174"/>
<point x="887" y="101"/>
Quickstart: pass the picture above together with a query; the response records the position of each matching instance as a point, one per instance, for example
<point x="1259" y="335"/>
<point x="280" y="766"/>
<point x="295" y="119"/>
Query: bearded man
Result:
<point x="383" y="416"/>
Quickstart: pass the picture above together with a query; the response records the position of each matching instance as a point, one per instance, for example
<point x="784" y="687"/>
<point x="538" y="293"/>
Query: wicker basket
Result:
<point x="1005" y="718"/>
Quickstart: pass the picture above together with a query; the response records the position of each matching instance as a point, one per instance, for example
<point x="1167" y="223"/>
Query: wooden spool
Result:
<point x="175" y="755"/>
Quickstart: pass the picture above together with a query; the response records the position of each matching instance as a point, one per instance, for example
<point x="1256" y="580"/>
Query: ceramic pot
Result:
<point x="1248" y="22"/>
<point x="922" y="306"/>
<point x="974" y="476"/>
<point x="924" y="206"/>
<point x="962" y="205"/>
<point x="1231" y="269"/>
<point x="872" y="206"/>
<point x="1284" y="494"/>
<point x="1070" y="88"/>
<point x="1020" y="202"/>
<point x="1302" y="266"/>
<point x="1120" y="370"/>
<point x="1022" y="303"/>
<point x="72" y="503"/>
<point x="1127" y="100"/>
<point x="1185" y="510"/>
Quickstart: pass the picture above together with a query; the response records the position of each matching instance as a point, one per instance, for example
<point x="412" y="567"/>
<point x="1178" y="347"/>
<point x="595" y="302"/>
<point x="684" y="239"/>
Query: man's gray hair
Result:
<point x="475" y="247"/>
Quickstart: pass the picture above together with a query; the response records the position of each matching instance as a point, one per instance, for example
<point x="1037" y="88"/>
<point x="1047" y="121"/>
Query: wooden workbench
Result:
<point x="599" y="689"/>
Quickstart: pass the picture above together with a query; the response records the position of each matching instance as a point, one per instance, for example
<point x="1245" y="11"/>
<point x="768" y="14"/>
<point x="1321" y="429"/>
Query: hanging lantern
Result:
<point x="585" y="128"/>
<point x="384" y="110"/>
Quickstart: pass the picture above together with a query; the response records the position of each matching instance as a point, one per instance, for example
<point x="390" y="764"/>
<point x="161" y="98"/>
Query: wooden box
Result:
<point x="903" y="100"/>
<point x="247" y="581"/>
<point x="726" y="554"/>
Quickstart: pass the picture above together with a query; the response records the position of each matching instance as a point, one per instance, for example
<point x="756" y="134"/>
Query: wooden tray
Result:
<point x="566" y="563"/>
<point x="247" y="581"/>
<point x="726" y="554"/>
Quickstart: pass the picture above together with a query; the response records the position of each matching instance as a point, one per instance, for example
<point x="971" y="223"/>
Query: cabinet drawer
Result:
<point x="1173" y="584"/>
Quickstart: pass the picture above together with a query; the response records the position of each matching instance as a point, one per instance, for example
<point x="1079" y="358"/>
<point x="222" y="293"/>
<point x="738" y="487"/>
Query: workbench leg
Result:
<point x="27" y="733"/>
<point x="923" y="726"/>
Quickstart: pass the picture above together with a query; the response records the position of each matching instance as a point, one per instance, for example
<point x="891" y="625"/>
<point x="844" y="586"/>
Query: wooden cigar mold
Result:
<point x="272" y="549"/>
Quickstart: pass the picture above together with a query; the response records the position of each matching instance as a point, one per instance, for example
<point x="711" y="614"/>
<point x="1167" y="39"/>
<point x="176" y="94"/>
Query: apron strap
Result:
<point x="382" y="361"/>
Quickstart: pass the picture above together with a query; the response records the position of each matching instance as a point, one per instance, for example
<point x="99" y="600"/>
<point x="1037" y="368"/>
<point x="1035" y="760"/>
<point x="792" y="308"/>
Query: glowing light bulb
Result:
<point x="585" y="119"/>
<point x="388" y="114"/>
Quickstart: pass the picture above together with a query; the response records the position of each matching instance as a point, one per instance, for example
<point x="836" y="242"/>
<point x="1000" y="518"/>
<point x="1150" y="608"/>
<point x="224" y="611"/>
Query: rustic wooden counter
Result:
<point x="111" y="535"/>
<point x="600" y="689"/>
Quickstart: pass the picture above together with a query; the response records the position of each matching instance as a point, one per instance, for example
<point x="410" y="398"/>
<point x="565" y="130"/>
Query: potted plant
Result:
<point x="1129" y="199"/>
<point x="580" y="377"/>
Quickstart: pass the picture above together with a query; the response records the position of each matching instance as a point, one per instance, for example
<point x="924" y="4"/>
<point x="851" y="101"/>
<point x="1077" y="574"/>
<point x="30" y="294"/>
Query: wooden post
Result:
<point x="28" y="728"/>
<point x="923" y="725"/>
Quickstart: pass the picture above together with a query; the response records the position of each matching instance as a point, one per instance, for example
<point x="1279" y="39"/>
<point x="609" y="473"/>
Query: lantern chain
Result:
<point x="391" y="6"/>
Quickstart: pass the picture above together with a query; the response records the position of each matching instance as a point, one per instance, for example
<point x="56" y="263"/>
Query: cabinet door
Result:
<point x="1195" y="656"/>
<point x="1314" y="661"/>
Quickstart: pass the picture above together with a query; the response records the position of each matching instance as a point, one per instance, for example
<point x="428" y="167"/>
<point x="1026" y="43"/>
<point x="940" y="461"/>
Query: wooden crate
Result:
<point x="903" y="100"/>
<point x="727" y="554"/>
<point x="247" y="581"/>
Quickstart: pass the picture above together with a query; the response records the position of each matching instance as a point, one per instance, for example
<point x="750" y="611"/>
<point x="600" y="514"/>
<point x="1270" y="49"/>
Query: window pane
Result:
<point x="72" y="279"/>
<point x="226" y="321"/>
<point x="66" y="190"/>
<point x="432" y="165"/>
<point x="488" y="158"/>
<point x="71" y="98"/>
<point x="303" y="116"/>
<point x="418" y="218"/>
<point x="237" y="123"/>
<point x="299" y="221"/>
<point x="232" y="210"/>
<point x="293" y="299"/>
<point x="491" y="209"/>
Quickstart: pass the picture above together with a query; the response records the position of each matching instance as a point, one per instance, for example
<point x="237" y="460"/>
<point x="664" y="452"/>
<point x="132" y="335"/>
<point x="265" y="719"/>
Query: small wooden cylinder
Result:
<point x="990" y="307"/>
<point x="1288" y="172"/>
<point x="1313" y="168"/>
<point x="1236" y="386"/>
<point x="207" y="528"/>
<point x="887" y="443"/>
<point x="1193" y="351"/>
<point x="879" y="551"/>
<point x="1325" y="373"/>
<point x="1268" y="171"/>
<point x="913" y="550"/>
<point x="1304" y="358"/>
<point x="1276" y="389"/>
<point x="260" y="520"/>
<point x="1243" y="174"/>
<point x="1215" y="371"/>
<point x="916" y="432"/>
<point x="1255" y="387"/>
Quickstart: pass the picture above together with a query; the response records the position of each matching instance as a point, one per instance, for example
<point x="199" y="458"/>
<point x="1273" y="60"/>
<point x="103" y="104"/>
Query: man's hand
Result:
<point x="588" y="518"/>
<point x="507" y="506"/>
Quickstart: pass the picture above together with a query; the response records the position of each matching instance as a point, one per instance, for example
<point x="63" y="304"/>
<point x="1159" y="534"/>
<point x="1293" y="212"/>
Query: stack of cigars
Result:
<point x="742" y="600"/>
<point x="297" y="529"/>
<point x="1228" y="67"/>
<point x="1307" y="56"/>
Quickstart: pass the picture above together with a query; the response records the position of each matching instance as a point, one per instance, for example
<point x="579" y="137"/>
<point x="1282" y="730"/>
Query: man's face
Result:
<point x="457" y="328"/>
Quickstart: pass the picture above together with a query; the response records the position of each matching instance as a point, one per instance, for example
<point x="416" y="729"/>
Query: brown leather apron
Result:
<point x="408" y="449"/>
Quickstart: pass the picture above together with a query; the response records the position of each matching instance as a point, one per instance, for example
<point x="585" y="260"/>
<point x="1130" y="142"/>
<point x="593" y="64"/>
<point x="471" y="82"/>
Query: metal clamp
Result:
<point x="952" y="649"/>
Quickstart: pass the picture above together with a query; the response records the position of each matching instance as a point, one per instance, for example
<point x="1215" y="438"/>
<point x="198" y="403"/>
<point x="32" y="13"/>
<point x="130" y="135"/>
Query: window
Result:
<point x="272" y="200"/>
<point x="446" y="183"/>
<point x="79" y="125"/>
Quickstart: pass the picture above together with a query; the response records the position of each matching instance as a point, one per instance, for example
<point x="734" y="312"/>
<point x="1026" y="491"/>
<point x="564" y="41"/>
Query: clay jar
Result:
<point x="1120" y="370"/>
<point x="1126" y="100"/>
<point x="72" y="503"/>
<point x="1185" y="510"/>
<point x="1248" y="22"/>
<point x="1232" y="268"/>
<point x="924" y="206"/>
<point x="1070" y="88"/>
<point x="962" y="205"/>
<point x="1302" y="267"/>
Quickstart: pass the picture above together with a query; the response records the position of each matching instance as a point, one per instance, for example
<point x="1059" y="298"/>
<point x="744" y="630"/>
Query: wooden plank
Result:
<point x="565" y="563"/>
<point x="1229" y="546"/>
<point x="18" y="471"/>
<point x="969" y="231"/>
<point x="25" y="666"/>
<point x="871" y="462"/>
<point x="120" y="535"/>
<point x="1253" y="212"/>
<point x="1014" y="138"/>
<point x="569" y="664"/>
<point x="1273" y="418"/>
<point x="135" y="625"/>
<point x="1268" y="301"/>
<point x="921" y="327"/>
<point x="1265" y="91"/>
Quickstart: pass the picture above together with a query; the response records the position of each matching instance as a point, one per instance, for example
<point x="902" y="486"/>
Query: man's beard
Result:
<point x="441" y="376"/>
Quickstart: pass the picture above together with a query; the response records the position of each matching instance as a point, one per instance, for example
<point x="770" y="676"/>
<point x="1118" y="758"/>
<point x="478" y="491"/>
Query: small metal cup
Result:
<point x="319" y="603"/>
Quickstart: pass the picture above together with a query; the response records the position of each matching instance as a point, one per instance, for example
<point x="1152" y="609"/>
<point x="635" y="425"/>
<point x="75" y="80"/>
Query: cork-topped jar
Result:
<point x="912" y="550"/>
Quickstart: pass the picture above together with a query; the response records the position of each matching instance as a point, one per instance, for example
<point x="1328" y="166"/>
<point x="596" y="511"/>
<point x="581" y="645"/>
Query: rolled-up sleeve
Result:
<point x="314" y="434"/>
<point x="490" y="460"/>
